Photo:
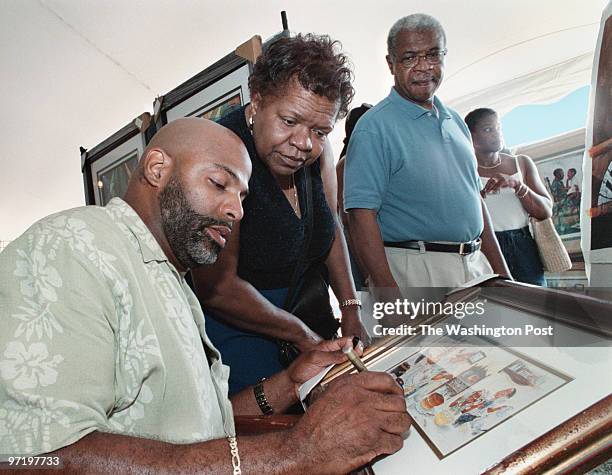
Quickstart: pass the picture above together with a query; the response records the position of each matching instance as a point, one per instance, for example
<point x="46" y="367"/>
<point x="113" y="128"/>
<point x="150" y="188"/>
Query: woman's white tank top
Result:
<point x="505" y="208"/>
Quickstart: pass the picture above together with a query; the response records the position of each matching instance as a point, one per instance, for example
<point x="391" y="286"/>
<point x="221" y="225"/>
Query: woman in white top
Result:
<point x="513" y="191"/>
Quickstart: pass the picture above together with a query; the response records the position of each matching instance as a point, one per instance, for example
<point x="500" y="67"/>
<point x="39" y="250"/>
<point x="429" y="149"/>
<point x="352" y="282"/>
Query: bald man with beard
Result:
<point x="105" y="366"/>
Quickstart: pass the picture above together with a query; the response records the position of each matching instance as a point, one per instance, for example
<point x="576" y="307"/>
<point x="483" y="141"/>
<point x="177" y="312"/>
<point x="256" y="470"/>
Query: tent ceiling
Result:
<point x="75" y="71"/>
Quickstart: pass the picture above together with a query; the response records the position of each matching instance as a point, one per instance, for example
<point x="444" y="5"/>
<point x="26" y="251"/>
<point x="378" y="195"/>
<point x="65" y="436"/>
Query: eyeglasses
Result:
<point x="431" y="58"/>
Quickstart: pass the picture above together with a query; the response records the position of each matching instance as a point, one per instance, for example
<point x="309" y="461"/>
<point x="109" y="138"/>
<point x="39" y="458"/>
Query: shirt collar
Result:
<point x="414" y="110"/>
<point x="136" y="230"/>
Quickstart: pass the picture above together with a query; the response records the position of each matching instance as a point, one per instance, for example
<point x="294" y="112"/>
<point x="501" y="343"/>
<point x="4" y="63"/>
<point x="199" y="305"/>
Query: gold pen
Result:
<point x="358" y="364"/>
<point x="353" y="358"/>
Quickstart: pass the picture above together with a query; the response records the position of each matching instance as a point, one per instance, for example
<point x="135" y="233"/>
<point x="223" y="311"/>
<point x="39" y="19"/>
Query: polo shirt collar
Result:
<point x="414" y="110"/>
<point x="136" y="230"/>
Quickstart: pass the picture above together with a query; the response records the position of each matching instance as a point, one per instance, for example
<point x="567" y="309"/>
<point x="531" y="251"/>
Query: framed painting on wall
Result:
<point x="108" y="166"/>
<point x="112" y="181"/>
<point x="562" y="176"/>
<point x="219" y="107"/>
<point x="210" y="93"/>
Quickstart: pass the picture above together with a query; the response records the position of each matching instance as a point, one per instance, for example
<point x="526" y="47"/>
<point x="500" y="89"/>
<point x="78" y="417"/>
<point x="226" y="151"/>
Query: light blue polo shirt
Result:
<point x="418" y="171"/>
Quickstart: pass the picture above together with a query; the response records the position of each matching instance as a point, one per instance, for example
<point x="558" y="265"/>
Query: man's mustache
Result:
<point x="206" y="221"/>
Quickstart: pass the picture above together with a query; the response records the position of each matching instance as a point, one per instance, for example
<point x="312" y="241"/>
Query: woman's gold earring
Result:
<point x="251" y="122"/>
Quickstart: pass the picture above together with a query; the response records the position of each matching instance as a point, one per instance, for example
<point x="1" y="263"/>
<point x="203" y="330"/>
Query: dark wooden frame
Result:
<point x="204" y="79"/>
<point x="140" y="125"/>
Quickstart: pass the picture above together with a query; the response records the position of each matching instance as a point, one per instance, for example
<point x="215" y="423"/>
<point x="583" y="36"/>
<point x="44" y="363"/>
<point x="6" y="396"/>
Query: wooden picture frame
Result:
<point x="568" y="427"/>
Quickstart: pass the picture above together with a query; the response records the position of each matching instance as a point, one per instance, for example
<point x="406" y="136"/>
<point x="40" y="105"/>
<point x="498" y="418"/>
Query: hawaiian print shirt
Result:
<point x="98" y="331"/>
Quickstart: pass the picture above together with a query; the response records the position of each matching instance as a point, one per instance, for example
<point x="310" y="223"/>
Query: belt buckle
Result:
<point x="462" y="250"/>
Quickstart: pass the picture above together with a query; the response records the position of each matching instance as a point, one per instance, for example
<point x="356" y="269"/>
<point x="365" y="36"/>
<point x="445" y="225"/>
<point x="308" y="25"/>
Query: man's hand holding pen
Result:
<point x="357" y="418"/>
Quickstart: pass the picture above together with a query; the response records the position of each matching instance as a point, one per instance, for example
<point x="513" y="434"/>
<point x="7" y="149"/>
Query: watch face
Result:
<point x="605" y="192"/>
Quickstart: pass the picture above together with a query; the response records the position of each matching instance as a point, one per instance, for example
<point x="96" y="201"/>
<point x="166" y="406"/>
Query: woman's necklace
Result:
<point x="499" y="160"/>
<point x="294" y="203"/>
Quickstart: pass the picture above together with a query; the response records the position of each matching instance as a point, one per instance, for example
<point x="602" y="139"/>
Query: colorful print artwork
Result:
<point x="562" y="177"/>
<point x="455" y="395"/>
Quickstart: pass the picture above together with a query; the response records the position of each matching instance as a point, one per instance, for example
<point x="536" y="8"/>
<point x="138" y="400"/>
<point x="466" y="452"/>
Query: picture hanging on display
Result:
<point x="562" y="177"/>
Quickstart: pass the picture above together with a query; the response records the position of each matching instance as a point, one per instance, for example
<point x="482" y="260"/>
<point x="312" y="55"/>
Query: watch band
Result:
<point x="260" y="397"/>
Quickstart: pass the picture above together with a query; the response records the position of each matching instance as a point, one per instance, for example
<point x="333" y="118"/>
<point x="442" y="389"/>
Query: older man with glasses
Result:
<point x="416" y="218"/>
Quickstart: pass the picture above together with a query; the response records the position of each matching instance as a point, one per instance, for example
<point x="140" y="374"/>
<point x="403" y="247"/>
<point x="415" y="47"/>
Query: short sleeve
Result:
<point x="366" y="171"/>
<point x="462" y="125"/>
<point x="56" y="344"/>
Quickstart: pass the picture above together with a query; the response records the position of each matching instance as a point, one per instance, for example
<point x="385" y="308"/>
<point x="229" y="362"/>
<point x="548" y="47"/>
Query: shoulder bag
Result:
<point x="552" y="251"/>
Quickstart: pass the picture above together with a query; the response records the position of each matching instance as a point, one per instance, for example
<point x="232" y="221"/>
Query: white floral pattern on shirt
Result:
<point x="25" y="431"/>
<point x="29" y="367"/>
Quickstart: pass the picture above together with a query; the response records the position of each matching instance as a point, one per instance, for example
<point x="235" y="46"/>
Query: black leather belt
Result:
<point x="463" y="248"/>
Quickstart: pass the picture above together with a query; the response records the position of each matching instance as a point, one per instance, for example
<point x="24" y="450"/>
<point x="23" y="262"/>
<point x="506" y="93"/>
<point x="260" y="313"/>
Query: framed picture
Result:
<point x="480" y="405"/>
<point x="210" y="93"/>
<point x="108" y="166"/>
<point x="219" y="107"/>
<point x="562" y="176"/>
<point x="456" y="395"/>
<point x="113" y="180"/>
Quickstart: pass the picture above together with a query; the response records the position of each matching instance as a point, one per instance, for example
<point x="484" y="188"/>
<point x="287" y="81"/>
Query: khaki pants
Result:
<point x="415" y="268"/>
<point x="426" y="275"/>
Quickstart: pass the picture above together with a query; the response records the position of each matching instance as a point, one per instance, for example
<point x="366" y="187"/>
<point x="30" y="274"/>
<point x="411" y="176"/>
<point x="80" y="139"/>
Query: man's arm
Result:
<point x="104" y="453"/>
<point x="367" y="172"/>
<point x="358" y="418"/>
<point x="281" y="390"/>
<point x="367" y="243"/>
<point x="490" y="246"/>
<point x="340" y="194"/>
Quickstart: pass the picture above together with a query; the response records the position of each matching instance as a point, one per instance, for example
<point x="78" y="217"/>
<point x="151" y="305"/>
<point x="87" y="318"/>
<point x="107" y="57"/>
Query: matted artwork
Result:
<point x="219" y="107"/>
<point x="113" y="180"/>
<point x="455" y="395"/>
<point x="562" y="177"/>
<point x="481" y="407"/>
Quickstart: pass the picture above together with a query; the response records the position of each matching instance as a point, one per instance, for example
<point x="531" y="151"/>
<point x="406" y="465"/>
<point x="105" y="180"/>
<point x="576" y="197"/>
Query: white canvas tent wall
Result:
<point x="74" y="71"/>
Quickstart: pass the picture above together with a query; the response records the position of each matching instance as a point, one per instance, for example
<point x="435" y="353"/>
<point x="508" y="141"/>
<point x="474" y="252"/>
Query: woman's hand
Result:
<point x="310" y="363"/>
<point x="498" y="181"/>
<point x="352" y="325"/>
<point x="307" y="340"/>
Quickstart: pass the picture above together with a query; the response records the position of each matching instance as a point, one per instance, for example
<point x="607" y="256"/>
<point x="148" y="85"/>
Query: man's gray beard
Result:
<point x="185" y="229"/>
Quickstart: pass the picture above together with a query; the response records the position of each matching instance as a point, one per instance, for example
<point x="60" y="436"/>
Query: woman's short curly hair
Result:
<point x="315" y="61"/>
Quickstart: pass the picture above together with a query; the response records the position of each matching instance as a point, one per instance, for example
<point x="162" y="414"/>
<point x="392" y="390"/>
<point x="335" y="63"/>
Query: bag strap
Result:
<point x="307" y="238"/>
<point x="518" y="167"/>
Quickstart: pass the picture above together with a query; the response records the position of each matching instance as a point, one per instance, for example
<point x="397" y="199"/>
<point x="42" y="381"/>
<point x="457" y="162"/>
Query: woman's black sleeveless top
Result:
<point x="271" y="235"/>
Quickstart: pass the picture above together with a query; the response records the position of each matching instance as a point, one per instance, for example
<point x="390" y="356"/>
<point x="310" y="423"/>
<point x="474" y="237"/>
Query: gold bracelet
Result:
<point x="524" y="194"/>
<point x="350" y="303"/>
<point x="233" y="443"/>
